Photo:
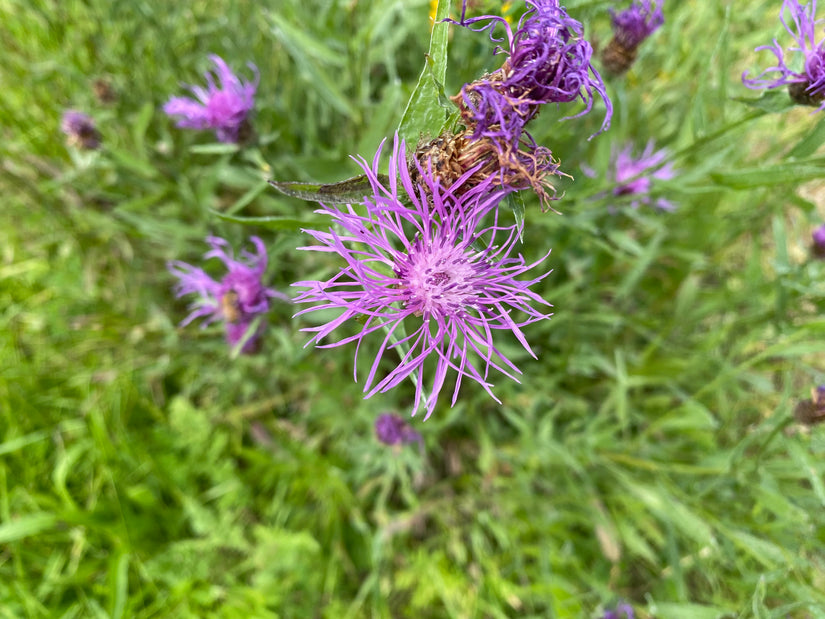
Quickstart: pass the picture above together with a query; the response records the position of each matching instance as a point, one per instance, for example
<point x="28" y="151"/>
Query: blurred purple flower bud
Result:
<point x="80" y="130"/>
<point x="391" y="429"/>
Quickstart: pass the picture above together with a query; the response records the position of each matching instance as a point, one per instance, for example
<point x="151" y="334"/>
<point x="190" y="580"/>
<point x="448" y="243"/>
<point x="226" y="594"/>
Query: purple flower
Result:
<point x="237" y="299"/>
<point x="819" y="241"/>
<point x="808" y="86"/>
<point x="223" y="109"/>
<point x="80" y="130"/>
<point x="635" y="177"/>
<point x="636" y="23"/>
<point x="622" y="611"/>
<point x="422" y="272"/>
<point x="630" y="28"/>
<point x="393" y="430"/>
<point x="549" y="62"/>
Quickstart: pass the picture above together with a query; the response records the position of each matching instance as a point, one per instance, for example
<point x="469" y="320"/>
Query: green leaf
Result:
<point x="270" y="222"/>
<point x="424" y="113"/>
<point x="771" y="101"/>
<point x="352" y="190"/>
<point x="808" y="145"/>
<point x="782" y="174"/>
<point x="217" y="148"/>
<point x="25" y="526"/>
<point x="132" y="163"/>
<point x="516" y="203"/>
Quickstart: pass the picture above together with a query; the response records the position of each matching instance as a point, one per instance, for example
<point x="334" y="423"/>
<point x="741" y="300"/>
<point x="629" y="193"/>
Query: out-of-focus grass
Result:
<point x="648" y="454"/>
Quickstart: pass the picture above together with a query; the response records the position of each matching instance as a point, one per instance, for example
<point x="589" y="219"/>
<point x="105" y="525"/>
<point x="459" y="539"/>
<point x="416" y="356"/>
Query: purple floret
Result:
<point x="622" y="611"/>
<point x="237" y="299"/>
<point x="635" y="176"/>
<point x="636" y="23"/>
<point x="223" y="109"/>
<point x="819" y="241"/>
<point x="808" y="86"/>
<point x="549" y="62"/>
<point x="391" y="429"/>
<point x="424" y="275"/>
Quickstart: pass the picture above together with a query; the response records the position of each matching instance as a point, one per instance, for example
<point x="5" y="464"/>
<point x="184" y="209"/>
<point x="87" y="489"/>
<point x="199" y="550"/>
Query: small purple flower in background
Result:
<point x="549" y="62"/>
<point x="630" y="28"/>
<point x="635" y="176"/>
<point x="80" y="130"/>
<point x="391" y="429"/>
<point x="818" y="246"/>
<point x="223" y="109"/>
<point x="622" y="611"/>
<point x="237" y="299"/>
<point x="413" y="262"/>
<point x="808" y="86"/>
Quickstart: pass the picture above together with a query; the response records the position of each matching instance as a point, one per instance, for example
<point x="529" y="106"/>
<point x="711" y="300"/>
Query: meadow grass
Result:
<point x="649" y="454"/>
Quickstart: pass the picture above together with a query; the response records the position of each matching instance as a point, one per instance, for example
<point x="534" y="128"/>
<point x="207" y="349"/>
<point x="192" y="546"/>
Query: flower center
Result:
<point x="438" y="279"/>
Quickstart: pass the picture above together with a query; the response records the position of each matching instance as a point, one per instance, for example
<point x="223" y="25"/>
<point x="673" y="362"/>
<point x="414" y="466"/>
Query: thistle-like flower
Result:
<point x="391" y="429"/>
<point x="806" y="87"/>
<point x="80" y="130"/>
<point x="818" y="244"/>
<point x="237" y="299"/>
<point x="548" y="62"/>
<point x="630" y="28"/>
<point x="423" y="273"/>
<point x="223" y="109"/>
<point x="635" y="176"/>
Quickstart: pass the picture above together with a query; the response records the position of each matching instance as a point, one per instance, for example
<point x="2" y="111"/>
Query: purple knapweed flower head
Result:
<point x="634" y="176"/>
<point x="818" y="245"/>
<point x="548" y="62"/>
<point x="630" y="28"/>
<point x="237" y="299"/>
<point x="424" y="275"/>
<point x="622" y="611"/>
<point x="391" y="429"/>
<point x="806" y="87"/>
<point x="223" y="109"/>
<point x="80" y="130"/>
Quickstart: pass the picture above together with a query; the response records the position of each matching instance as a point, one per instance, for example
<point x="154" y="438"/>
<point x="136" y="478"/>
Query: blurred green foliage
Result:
<point x="649" y="454"/>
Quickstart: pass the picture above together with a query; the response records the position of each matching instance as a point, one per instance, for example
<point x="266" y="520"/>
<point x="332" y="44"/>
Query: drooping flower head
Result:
<point x="818" y="246"/>
<point x="806" y="87"/>
<point x="424" y="276"/>
<point x="223" y="109"/>
<point x="392" y="429"/>
<point x="80" y="130"/>
<point x="548" y="62"/>
<point x="630" y="28"/>
<point x="634" y="176"/>
<point x="622" y="611"/>
<point x="237" y="299"/>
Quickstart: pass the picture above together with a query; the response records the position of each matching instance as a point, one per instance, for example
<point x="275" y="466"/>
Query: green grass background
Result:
<point x="648" y="455"/>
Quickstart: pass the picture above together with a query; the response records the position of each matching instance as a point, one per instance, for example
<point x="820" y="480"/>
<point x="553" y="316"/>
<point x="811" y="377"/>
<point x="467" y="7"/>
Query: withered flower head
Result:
<point x="812" y="411"/>
<point x="513" y="168"/>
